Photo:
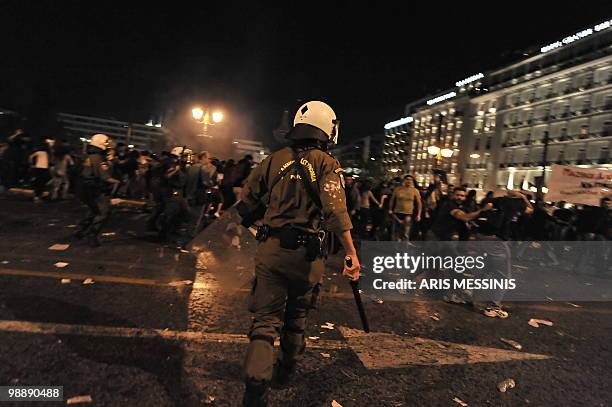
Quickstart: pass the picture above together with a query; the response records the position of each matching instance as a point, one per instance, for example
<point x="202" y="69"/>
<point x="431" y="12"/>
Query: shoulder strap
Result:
<point x="303" y="176"/>
<point x="278" y="177"/>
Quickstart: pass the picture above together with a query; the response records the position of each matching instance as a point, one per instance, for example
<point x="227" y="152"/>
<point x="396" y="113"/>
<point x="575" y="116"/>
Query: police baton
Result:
<point x="355" y="287"/>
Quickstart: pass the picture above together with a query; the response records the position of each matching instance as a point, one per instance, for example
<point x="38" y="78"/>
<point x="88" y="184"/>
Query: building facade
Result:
<point x="141" y="136"/>
<point x="361" y="157"/>
<point x="255" y="148"/>
<point x="506" y="127"/>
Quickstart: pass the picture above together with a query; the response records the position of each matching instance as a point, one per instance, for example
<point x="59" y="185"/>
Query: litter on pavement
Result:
<point x="108" y="234"/>
<point x="209" y="399"/>
<point x="575" y="305"/>
<point x="61" y="264"/>
<point x="79" y="400"/>
<point x="66" y="281"/>
<point x="512" y="343"/>
<point x="328" y="325"/>
<point x="326" y="355"/>
<point x="336" y="404"/>
<point x="506" y="384"/>
<point x="314" y="338"/>
<point x="179" y="283"/>
<point x="58" y="246"/>
<point x="536" y="322"/>
<point x="88" y="281"/>
<point x="460" y="402"/>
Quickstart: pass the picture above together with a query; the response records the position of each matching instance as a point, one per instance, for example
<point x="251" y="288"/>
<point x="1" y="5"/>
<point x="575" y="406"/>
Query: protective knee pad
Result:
<point x="259" y="361"/>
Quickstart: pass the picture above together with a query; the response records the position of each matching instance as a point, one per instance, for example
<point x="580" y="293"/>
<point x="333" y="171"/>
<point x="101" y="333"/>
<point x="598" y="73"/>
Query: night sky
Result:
<point x="131" y="61"/>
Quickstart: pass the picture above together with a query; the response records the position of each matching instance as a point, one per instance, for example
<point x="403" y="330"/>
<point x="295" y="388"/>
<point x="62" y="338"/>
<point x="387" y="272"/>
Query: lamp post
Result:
<point x="439" y="153"/>
<point x="206" y="117"/>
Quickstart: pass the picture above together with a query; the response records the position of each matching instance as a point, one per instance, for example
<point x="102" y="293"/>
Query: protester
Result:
<point x="39" y="161"/>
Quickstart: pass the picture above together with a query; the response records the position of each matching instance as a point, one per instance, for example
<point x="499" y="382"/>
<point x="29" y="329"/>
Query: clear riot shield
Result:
<point x="226" y="250"/>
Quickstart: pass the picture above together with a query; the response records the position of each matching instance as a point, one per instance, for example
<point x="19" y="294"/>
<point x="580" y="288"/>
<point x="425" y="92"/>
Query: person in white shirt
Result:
<point x="61" y="179"/>
<point x="39" y="165"/>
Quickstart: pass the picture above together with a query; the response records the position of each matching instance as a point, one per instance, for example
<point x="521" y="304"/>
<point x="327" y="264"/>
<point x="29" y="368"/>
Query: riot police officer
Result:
<point x="96" y="184"/>
<point x="168" y="184"/>
<point x="297" y="193"/>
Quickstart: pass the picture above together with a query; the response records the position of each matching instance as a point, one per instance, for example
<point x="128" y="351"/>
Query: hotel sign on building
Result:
<point x="507" y="127"/>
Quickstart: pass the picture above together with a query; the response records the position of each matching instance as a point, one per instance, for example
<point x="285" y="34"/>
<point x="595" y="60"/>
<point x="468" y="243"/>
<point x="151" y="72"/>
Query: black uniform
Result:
<point x="95" y="187"/>
<point x="168" y="187"/>
<point x="289" y="263"/>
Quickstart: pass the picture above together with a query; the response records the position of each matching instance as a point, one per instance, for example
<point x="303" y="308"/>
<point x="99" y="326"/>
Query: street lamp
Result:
<point x="440" y="152"/>
<point x="204" y="116"/>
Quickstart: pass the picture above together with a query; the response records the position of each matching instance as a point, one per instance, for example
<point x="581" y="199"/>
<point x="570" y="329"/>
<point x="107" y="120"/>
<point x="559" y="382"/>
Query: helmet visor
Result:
<point x="335" y="130"/>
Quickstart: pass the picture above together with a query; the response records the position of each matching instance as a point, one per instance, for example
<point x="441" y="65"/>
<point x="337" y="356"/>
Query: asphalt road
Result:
<point x="162" y="326"/>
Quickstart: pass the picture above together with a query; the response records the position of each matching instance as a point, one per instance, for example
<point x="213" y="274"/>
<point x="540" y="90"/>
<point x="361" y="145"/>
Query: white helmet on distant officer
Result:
<point x="177" y="151"/>
<point x="320" y="115"/>
<point x="102" y="141"/>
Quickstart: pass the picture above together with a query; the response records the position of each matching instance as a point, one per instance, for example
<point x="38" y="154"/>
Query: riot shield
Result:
<point x="226" y="249"/>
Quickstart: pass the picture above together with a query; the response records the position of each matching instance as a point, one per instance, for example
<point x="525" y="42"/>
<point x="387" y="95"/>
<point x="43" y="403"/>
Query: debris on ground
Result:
<point x="209" y="399"/>
<point x="180" y="283"/>
<point x="378" y="301"/>
<point x="184" y="251"/>
<point x="326" y="355"/>
<point x="349" y="374"/>
<point x="336" y="404"/>
<point x="58" y="246"/>
<point x="88" y="281"/>
<point x="61" y="264"/>
<point x="107" y="234"/>
<point x="506" y="384"/>
<point x="66" y="281"/>
<point x="536" y="322"/>
<point x="520" y="267"/>
<point x="512" y="343"/>
<point x="314" y="338"/>
<point x="435" y="316"/>
<point x="575" y="305"/>
<point x="51" y="224"/>
<point x="460" y="402"/>
<point x="328" y="325"/>
<point x="79" y="400"/>
<point x="5" y="262"/>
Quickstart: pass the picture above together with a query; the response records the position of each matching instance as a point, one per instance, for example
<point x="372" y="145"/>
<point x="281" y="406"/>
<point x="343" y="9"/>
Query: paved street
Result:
<point x="162" y="326"/>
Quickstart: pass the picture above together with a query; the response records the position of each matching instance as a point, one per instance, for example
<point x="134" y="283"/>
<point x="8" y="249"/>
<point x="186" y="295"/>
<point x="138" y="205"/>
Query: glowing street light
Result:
<point x="203" y="116"/>
<point x="446" y="152"/>
<point x="433" y="150"/>
<point x="197" y="113"/>
<point x="217" y="117"/>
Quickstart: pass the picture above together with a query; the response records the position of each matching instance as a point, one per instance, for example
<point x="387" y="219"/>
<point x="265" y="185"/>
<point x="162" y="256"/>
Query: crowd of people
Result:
<point x="401" y="210"/>
<point x="178" y="185"/>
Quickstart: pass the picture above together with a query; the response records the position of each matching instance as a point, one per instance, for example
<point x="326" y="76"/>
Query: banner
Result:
<point x="579" y="185"/>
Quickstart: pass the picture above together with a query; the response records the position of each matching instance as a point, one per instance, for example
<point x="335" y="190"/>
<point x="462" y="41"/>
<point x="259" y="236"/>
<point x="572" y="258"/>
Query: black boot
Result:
<point x="283" y="373"/>
<point x="256" y="393"/>
<point x="92" y="241"/>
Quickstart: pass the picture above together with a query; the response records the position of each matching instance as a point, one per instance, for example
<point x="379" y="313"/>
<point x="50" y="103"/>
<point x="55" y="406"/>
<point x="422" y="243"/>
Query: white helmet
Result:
<point x="101" y="141"/>
<point x="177" y="151"/>
<point x="321" y="116"/>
